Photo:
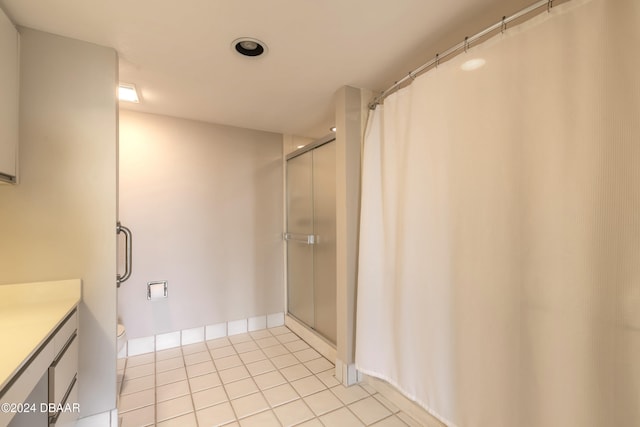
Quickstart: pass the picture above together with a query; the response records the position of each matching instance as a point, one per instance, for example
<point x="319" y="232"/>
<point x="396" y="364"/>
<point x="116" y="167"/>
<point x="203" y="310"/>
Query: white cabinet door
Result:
<point x="9" y="92"/>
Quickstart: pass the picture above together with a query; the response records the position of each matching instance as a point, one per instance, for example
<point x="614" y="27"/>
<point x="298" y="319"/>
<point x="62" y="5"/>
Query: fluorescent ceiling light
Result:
<point x="127" y="92"/>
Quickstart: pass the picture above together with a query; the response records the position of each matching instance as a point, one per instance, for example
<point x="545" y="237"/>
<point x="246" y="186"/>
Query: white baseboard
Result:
<point x="104" y="419"/>
<point x="136" y="346"/>
<point x="347" y="373"/>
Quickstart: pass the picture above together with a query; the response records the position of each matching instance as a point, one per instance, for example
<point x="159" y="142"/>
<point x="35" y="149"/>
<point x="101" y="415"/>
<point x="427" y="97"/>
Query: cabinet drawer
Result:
<point x="65" y="331"/>
<point x="25" y="380"/>
<point x="70" y="415"/>
<point x="63" y="371"/>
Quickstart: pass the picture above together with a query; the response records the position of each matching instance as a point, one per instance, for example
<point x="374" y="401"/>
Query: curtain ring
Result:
<point x="549" y="5"/>
<point x="437" y="59"/>
<point x="503" y="27"/>
<point x="411" y="75"/>
<point x="466" y="44"/>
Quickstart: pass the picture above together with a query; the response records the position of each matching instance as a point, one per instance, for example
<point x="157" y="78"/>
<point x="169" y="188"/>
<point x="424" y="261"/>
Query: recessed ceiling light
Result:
<point x="300" y="146"/>
<point x="127" y="92"/>
<point x="333" y="129"/>
<point x="250" y="47"/>
<point x="473" y="64"/>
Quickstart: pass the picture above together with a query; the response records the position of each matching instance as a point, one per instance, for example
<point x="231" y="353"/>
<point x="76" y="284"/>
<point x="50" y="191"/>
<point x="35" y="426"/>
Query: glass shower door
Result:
<point x="311" y="245"/>
<point x="299" y="242"/>
<point x="324" y="224"/>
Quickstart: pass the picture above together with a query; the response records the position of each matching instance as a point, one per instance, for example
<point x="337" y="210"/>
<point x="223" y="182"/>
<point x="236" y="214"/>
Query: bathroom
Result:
<point x="205" y="197"/>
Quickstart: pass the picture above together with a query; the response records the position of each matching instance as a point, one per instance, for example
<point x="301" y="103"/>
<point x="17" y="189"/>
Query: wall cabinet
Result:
<point x="44" y="392"/>
<point x="9" y="97"/>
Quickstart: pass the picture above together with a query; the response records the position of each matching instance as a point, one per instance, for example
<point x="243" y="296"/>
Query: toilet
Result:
<point x="122" y="336"/>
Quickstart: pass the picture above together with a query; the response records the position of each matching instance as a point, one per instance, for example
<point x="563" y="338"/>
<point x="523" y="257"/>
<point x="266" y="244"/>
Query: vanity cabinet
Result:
<point x="63" y="374"/>
<point x="44" y="391"/>
<point x="9" y="97"/>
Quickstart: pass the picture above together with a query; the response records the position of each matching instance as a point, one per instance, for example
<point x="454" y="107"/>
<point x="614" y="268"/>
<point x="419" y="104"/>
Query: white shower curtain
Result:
<point x="499" y="264"/>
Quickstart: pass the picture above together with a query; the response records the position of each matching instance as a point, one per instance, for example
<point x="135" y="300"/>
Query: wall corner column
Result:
<point x="351" y="115"/>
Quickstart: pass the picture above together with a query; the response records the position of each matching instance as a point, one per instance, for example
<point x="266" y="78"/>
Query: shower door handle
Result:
<point x="309" y="239"/>
<point x="127" y="263"/>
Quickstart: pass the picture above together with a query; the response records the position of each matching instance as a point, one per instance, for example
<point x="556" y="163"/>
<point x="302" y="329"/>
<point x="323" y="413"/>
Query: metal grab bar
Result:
<point x="309" y="239"/>
<point x="127" y="264"/>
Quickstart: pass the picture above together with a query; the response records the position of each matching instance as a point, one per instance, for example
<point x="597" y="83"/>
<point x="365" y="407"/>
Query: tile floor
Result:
<point x="264" y="378"/>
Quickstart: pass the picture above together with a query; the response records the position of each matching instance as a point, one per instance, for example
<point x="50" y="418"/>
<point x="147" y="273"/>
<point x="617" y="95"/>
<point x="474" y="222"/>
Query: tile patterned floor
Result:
<point x="264" y="378"/>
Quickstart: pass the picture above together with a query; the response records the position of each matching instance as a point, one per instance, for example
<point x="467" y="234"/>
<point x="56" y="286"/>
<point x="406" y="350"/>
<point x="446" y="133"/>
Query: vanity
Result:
<point x="39" y="353"/>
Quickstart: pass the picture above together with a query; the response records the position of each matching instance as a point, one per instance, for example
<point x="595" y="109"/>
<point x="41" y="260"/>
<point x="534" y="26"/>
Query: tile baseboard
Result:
<point x="137" y="346"/>
<point x="104" y="419"/>
<point x="347" y="373"/>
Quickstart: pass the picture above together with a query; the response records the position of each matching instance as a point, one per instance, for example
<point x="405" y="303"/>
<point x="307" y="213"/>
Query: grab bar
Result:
<point x="309" y="239"/>
<point x="127" y="264"/>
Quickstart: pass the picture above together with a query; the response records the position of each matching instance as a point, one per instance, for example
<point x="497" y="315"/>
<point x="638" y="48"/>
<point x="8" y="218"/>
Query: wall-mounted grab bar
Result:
<point x="309" y="239"/>
<point x="127" y="264"/>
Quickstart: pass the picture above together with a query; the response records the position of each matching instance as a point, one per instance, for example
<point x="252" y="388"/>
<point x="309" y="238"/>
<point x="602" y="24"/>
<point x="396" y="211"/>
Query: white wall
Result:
<point x="58" y="222"/>
<point x="204" y="203"/>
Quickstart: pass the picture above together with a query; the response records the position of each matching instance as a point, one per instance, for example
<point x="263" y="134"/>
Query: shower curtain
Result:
<point x="499" y="263"/>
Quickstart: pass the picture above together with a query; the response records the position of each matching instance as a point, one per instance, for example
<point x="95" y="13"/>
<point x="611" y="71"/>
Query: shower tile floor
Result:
<point x="264" y="378"/>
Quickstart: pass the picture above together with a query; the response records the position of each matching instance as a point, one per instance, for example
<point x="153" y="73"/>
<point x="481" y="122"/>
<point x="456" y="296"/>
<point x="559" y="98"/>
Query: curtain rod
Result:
<point x="462" y="46"/>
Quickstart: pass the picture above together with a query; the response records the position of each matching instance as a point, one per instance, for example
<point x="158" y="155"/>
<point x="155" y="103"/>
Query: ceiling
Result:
<point x="179" y="53"/>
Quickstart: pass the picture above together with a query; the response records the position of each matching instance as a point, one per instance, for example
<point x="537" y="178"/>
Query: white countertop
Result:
<point x="29" y="313"/>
